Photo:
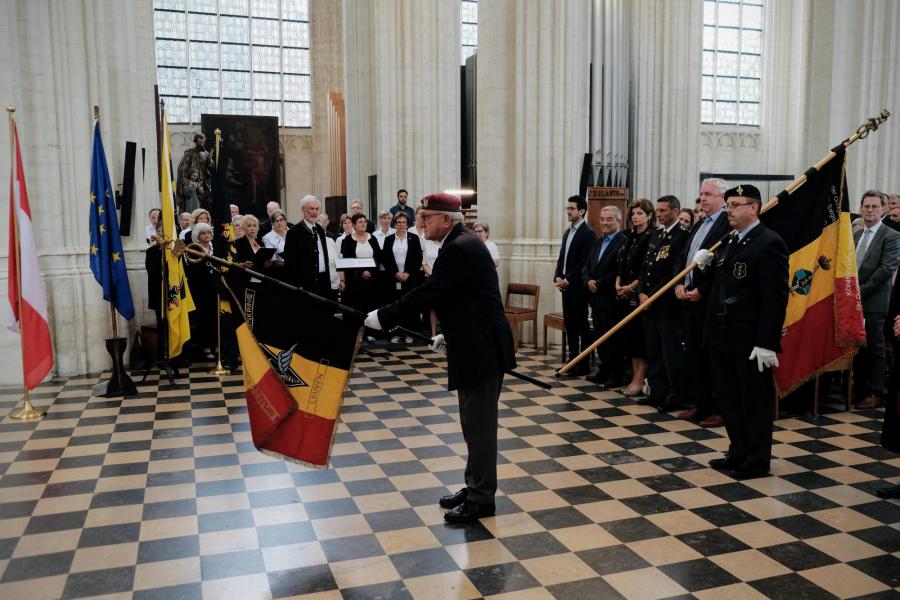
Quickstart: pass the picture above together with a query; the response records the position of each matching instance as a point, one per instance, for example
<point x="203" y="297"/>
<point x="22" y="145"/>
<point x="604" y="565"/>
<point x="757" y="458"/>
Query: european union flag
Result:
<point x="107" y="257"/>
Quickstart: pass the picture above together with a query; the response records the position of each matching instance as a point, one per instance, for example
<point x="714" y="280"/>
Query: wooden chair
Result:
<point x="555" y="321"/>
<point x="518" y="314"/>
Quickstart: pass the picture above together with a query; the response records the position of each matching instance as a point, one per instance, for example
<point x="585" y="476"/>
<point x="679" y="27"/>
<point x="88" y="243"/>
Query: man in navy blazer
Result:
<point x="576" y="245"/>
<point x="877" y="257"/>
<point x="599" y="276"/>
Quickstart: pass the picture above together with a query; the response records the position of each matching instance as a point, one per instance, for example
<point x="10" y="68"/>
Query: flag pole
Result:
<point x="861" y="133"/>
<point x="27" y="411"/>
<point x="218" y="370"/>
<point x="196" y="254"/>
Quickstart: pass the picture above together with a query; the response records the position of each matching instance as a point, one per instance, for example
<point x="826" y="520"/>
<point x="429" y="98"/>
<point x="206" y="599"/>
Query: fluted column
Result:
<point x="666" y="53"/>
<point x="402" y="85"/>
<point x="532" y="129"/>
<point x="854" y="55"/>
<point x="611" y="82"/>
<point x="59" y="59"/>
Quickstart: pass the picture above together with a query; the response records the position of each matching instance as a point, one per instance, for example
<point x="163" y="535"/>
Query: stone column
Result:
<point x="665" y="95"/>
<point x="327" y="56"/>
<point x="60" y="59"/>
<point x="853" y="76"/>
<point x="532" y="129"/>
<point x="402" y="86"/>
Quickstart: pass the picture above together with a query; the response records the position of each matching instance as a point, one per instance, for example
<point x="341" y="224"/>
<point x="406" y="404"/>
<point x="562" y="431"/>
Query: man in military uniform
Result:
<point x="662" y="319"/>
<point x="464" y="292"/>
<point x="747" y="305"/>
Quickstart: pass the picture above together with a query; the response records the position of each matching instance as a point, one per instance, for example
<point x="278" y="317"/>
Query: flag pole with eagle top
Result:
<point x="861" y="133"/>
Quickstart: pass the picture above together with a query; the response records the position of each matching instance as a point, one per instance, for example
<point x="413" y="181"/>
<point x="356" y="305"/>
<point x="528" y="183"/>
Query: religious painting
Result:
<point x="250" y="155"/>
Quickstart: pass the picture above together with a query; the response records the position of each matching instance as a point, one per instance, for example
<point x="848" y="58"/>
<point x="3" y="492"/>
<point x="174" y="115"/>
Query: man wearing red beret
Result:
<point x="464" y="292"/>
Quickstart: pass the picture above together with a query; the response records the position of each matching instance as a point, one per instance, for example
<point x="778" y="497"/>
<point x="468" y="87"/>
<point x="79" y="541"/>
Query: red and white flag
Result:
<point x="27" y="308"/>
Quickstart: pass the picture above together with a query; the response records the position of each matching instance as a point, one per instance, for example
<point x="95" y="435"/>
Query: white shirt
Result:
<point x="380" y="235"/>
<point x="874" y="229"/>
<point x="429" y="252"/>
<point x="492" y="248"/>
<point x="183" y="233"/>
<point x="149" y="231"/>
<point x="364" y="249"/>
<point x="569" y="239"/>
<point x="332" y="256"/>
<point x="401" y="248"/>
<point x="273" y="240"/>
<point x="323" y="253"/>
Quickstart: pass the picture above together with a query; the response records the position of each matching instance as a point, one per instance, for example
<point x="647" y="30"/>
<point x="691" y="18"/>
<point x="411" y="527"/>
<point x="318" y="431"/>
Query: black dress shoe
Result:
<point x="667" y="407"/>
<point x="889" y="492"/>
<point x="646" y="401"/>
<point x="724" y="463"/>
<point x="469" y="511"/>
<point x="745" y="472"/>
<point x="454" y="500"/>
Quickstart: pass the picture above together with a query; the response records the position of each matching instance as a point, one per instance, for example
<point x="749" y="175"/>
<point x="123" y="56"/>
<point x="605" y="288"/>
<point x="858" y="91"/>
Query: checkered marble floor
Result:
<point x="163" y="496"/>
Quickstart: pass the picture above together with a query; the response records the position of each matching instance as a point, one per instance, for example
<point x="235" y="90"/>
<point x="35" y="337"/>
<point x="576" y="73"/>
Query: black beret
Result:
<point x="744" y="191"/>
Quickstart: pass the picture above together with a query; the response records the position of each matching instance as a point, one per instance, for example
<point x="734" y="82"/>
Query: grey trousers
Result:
<point x="478" y="417"/>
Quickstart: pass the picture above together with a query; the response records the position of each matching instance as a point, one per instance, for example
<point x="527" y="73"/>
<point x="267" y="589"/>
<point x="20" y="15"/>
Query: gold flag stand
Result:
<point x="861" y="133"/>
<point x="218" y="370"/>
<point x="27" y="410"/>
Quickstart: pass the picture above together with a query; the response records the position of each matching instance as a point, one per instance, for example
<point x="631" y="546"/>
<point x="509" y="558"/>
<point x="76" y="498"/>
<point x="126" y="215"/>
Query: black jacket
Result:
<point x="301" y="256"/>
<point x="664" y="252"/>
<point x="578" y="252"/>
<point x="749" y="293"/>
<point x="413" y="264"/>
<point x="702" y="281"/>
<point x="603" y="272"/>
<point x="464" y="292"/>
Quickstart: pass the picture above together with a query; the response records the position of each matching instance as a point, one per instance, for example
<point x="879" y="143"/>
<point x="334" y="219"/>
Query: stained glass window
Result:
<point x="247" y="57"/>
<point x="732" y="62"/>
<point x="469" y="28"/>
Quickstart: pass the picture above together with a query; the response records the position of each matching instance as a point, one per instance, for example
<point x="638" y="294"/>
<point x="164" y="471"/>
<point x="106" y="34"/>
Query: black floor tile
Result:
<point x="306" y="580"/>
<point x="350" y="548"/>
<point x="790" y="587"/>
<point x="231" y="564"/>
<point x="798" y="556"/>
<point x="496" y="579"/>
<point x="423" y="562"/>
<point x="612" y="559"/>
<point x="94" y="583"/>
<point x="699" y="574"/>
<point x="168" y="548"/>
<point x="633" y="530"/>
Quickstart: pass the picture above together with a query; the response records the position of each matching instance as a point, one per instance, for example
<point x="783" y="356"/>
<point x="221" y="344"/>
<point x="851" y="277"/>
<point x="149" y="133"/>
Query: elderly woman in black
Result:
<point x="402" y="258"/>
<point x="630" y="260"/>
<point x="203" y="291"/>
<point x="360" y="291"/>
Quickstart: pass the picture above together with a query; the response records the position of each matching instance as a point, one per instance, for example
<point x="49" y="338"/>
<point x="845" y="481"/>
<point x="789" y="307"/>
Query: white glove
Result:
<point x="372" y="321"/>
<point x="438" y="344"/>
<point x="764" y="358"/>
<point x="703" y="258"/>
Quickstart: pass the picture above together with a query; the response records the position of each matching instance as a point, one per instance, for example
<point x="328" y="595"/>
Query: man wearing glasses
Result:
<point x="464" y="292"/>
<point x="747" y="305"/>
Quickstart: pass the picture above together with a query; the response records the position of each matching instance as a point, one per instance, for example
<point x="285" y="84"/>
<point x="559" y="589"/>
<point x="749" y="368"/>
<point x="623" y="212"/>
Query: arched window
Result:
<point x="234" y="57"/>
<point x="732" y="62"/>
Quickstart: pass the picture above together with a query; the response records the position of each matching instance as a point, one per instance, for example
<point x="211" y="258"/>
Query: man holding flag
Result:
<point x="107" y="256"/>
<point x="743" y="328"/>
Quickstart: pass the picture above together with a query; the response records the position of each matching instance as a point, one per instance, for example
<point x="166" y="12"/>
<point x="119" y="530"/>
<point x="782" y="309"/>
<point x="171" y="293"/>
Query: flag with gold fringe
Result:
<point x="297" y="357"/>
<point x="824" y="320"/>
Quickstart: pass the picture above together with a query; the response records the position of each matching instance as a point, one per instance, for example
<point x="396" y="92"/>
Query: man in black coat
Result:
<point x="305" y="253"/>
<point x="662" y="319"/>
<point x="747" y="304"/>
<point x="576" y="245"/>
<point x="693" y="292"/>
<point x="599" y="277"/>
<point x="890" y="431"/>
<point x="464" y="292"/>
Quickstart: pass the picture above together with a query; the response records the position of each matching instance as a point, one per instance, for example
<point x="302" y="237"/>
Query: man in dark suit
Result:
<point x="599" y="277"/>
<point x="747" y="304"/>
<point x="892" y="214"/>
<point x="464" y="292"/>
<point x="576" y="244"/>
<point x="662" y="319"/>
<point x="305" y="253"/>
<point x="693" y="293"/>
<point x="877" y="257"/>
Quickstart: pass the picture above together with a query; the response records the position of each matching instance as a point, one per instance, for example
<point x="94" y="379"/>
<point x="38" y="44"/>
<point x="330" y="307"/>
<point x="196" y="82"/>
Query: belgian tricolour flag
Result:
<point x="824" y="320"/>
<point x="297" y="358"/>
